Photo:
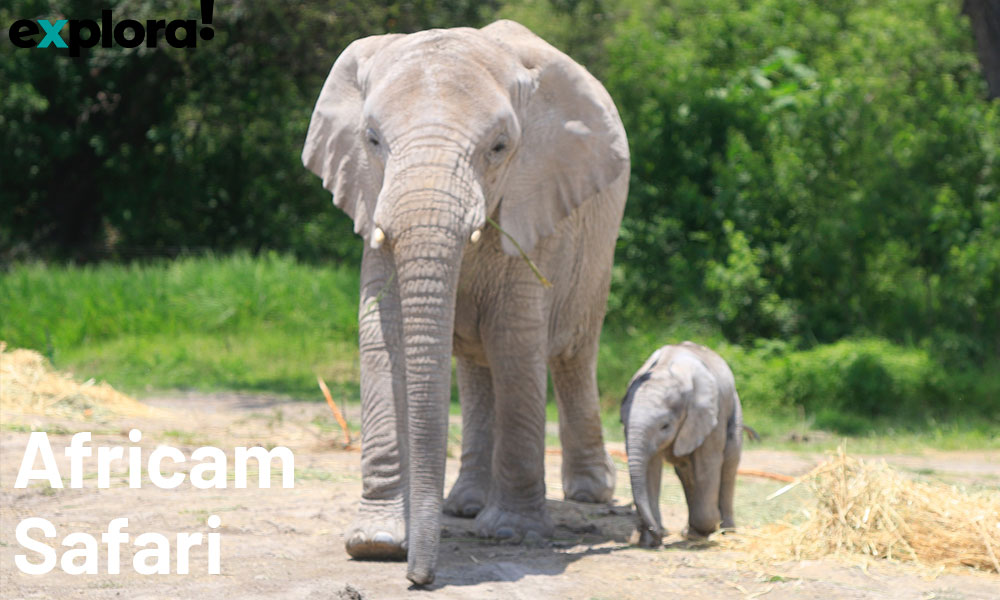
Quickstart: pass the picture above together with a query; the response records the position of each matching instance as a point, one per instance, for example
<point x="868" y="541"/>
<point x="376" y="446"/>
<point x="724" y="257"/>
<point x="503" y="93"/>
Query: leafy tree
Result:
<point x="810" y="169"/>
<point x="130" y="152"/>
<point x="802" y="171"/>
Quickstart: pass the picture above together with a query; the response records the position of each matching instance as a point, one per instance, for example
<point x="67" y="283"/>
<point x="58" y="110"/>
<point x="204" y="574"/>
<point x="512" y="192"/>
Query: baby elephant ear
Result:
<point x="702" y="397"/>
<point x="640" y="377"/>
<point x="334" y="147"/>
<point x="573" y="144"/>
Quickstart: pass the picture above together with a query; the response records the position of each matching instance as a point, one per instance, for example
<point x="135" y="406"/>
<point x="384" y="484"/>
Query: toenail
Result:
<point x="382" y="538"/>
<point x="505" y="533"/>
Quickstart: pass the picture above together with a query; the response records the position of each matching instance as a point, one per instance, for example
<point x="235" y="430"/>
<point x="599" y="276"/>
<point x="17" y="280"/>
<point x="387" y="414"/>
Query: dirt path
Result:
<point x="286" y="543"/>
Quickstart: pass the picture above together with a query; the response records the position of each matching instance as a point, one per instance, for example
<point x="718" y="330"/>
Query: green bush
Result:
<point x="855" y="385"/>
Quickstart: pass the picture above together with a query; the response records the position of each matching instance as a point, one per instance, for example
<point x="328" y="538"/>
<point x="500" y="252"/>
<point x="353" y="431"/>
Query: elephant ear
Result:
<point x="334" y="147"/>
<point x="573" y="144"/>
<point x="701" y="394"/>
<point x="640" y="377"/>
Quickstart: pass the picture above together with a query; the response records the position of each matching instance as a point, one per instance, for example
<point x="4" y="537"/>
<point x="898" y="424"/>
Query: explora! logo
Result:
<point x="21" y="32"/>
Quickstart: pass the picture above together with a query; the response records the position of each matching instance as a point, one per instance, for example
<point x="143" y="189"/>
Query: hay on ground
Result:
<point x="866" y="508"/>
<point x="29" y="386"/>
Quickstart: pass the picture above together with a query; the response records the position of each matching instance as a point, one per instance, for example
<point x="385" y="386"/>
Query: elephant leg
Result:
<point x="727" y="487"/>
<point x="515" y="509"/>
<point x="588" y="473"/>
<point x="700" y="476"/>
<point x="379" y="531"/>
<point x="475" y="390"/>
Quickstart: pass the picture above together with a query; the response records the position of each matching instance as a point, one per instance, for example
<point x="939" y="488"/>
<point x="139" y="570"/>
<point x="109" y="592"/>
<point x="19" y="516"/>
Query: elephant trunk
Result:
<point x="644" y="466"/>
<point x="428" y="258"/>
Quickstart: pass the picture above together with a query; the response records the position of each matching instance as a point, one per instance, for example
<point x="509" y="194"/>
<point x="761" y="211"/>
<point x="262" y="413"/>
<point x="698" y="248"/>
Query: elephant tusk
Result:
<point x="475" y="236"/>
<point x="378" y="237"/>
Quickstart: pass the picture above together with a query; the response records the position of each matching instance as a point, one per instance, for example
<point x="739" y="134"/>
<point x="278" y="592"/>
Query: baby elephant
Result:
<point x="682" y="406"/>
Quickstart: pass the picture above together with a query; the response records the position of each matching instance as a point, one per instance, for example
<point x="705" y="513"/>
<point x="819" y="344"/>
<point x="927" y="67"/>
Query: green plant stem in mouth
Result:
<point x="541" y="278"/>
<point x="378" y="297"/>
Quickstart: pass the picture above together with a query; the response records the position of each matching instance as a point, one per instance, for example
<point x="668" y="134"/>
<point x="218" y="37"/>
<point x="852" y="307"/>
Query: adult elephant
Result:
<point x="425" y="139"/>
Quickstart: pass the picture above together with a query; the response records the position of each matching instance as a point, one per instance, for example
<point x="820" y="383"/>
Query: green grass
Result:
<point x="268" y="324"/>
<point x="271" y="324"/>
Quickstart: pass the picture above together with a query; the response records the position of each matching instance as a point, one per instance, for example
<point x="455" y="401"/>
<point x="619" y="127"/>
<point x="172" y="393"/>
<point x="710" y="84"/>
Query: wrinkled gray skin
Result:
<point x="420" y="137"/>
<point x="682" y="407"/>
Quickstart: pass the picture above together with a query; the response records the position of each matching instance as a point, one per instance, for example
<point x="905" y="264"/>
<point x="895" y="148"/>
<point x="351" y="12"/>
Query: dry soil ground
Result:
<point x="287" y="543"/>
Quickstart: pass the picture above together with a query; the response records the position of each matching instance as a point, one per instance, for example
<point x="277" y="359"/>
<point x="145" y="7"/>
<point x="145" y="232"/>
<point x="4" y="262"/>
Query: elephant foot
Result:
<point x="513" y="527"/>
<point x="379" y="533"/>
<point x="645" y="537"/>
<point x="693" y="535"/>
<point x="700" y="526"/>
<point x="467" y="497"/>
<point x="592" y="482"/>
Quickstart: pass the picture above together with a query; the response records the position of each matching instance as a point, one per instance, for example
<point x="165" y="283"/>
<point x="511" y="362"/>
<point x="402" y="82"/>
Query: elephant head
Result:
<point x="421" y="138"/>
<point x="671" y="406"/>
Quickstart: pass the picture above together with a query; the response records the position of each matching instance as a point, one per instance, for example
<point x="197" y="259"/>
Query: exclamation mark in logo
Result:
<point x="207" y="8"/>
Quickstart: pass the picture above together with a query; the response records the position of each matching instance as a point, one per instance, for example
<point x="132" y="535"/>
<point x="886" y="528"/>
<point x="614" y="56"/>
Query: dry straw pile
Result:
<point x="868" y="509"/>
<point x="29" y="386"/>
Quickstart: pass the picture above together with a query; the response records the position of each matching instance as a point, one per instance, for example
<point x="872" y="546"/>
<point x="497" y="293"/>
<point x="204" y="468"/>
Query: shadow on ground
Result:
<point x="581" y="531"/>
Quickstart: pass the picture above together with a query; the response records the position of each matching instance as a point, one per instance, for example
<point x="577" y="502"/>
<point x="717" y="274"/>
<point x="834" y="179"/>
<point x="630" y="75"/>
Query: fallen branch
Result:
<point x="746" y="472"/>
<point x="765" y="475"/>
<point x="336" y="411"/>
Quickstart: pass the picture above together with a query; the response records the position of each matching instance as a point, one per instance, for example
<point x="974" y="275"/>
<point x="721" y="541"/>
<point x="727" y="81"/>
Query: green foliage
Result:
<point x="859" y="385"/>
<point x="850" y="383"/>
<point x="747" y="303"/>
<point x="803" y="173"/>
<point x="271" y="324"/>
<point x="811" y="170"/>
<point x="128" y="153"/>
<point x="268" y="323"/>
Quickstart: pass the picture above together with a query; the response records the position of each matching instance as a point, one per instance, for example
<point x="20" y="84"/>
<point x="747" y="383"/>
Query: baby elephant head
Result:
<point x="672" y="404"/>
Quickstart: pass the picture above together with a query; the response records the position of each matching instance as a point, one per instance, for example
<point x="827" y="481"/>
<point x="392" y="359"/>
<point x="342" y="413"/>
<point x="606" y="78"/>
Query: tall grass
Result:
<point x="266" y="323"/>
<point x="271" y="324"/>
<point x="69" y="306"/>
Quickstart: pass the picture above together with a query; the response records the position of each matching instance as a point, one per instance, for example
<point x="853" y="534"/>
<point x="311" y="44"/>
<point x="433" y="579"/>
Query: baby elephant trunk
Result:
<point x="644" y="467"/>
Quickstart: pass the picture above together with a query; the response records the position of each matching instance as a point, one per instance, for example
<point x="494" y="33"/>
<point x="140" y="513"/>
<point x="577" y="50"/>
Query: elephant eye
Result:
<point x="372" y="137"/>
<point x="497" y="150"/>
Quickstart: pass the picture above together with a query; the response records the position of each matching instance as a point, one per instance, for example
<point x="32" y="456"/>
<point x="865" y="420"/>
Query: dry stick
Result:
<point x="545" y="282"/>
<point x="336" y="411"/>
<point x="766" y="475"/>
<point x="746" y="472"/>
